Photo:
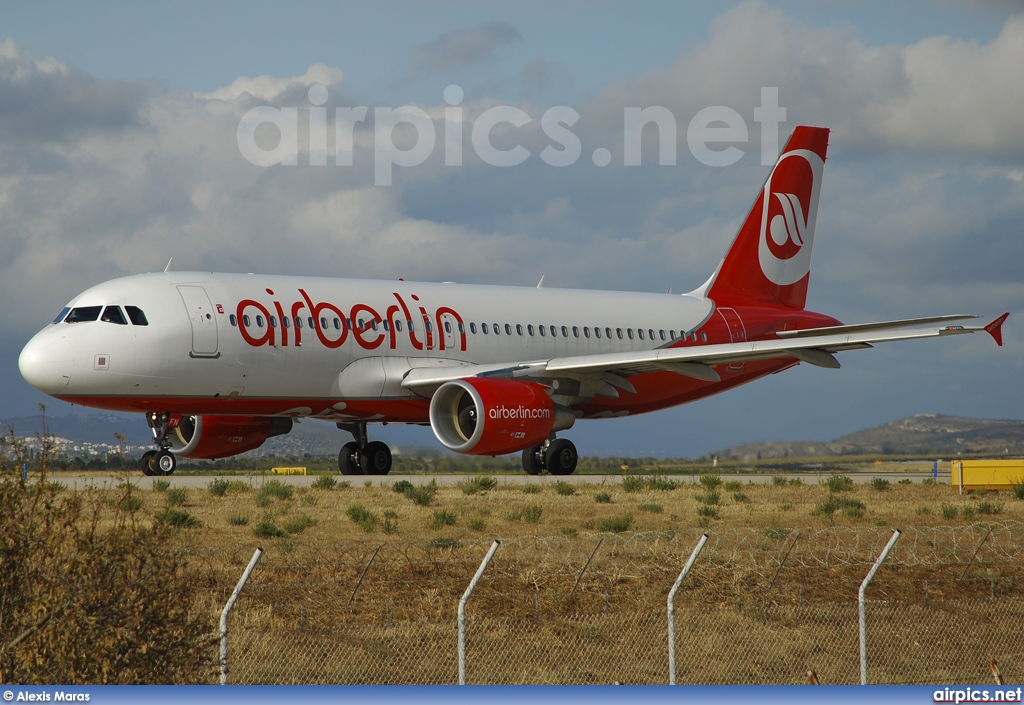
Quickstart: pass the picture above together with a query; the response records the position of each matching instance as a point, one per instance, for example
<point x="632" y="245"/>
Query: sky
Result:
<point x="123" y="143"/>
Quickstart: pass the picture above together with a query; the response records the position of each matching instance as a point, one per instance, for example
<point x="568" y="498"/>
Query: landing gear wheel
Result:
<point x="348" y="459"/>
<point x="147" y="464"/>
<point x="164" y="462"/>
<point x="560" y="457"/>
<point x="375" y="458"/>
<point x="531" y="461"/>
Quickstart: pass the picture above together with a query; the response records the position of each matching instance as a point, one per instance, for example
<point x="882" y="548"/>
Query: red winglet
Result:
<point x="995" y="328"/>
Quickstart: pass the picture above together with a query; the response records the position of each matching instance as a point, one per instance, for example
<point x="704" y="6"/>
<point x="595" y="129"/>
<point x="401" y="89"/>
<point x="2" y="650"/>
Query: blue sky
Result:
<point x="118" y="149"/>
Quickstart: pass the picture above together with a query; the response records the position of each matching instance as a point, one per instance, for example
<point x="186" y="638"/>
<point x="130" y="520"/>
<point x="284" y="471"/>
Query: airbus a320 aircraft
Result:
<point x="218" y="363"/>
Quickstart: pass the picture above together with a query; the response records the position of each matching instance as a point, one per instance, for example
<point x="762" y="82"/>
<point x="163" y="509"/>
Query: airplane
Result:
<point x="219" y="363"/>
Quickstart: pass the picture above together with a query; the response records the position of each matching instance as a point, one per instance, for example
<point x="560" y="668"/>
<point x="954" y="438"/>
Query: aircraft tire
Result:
<point x="348" y="461"/>
<point x="147" y="463"/>
<point x="561" y="457"/>
<point x="375" y="458"/>
<point x="164" y="463"/>
<point x="531" y="462"/>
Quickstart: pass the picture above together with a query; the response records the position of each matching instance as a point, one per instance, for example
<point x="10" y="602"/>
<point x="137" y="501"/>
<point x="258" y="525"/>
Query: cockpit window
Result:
<point x="136" y="316"/>
<point x="60" y="316"/>
<point x="81" y="314"/>
<point x="113" y="314"/>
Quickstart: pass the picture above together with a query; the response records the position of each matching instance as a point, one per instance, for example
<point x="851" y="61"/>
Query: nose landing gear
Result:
<point x="159" y="462"/>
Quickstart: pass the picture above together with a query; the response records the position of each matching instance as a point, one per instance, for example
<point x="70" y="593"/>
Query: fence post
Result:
<point x="672" y="609"/>
<point x="862" y="610"/>
<point x="224" y="615"/>
<point x="462" y="610"/>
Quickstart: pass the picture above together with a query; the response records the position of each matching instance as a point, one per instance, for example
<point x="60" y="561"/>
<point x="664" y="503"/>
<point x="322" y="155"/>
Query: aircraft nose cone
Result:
<point x="46" y="364"/>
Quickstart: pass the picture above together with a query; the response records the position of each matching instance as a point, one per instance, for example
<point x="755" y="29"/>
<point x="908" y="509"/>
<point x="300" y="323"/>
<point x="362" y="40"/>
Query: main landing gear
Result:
<point x="556" y="455"/>
<point x="362" y="457"/>
<point x="159" y="462"/>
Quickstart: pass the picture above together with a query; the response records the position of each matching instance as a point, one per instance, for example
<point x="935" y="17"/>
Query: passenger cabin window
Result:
<point x="508" y="329"/>
<point x="519" y="328"/>
<point x="597" y="333"/>
<point x="484" y="327"/>
<point x="398" y="326"/>
<point x="586" y="331"/>
<point x="259" y="321"/>
<point x="472" y="328"/>
<point x="298" y="322"/>
<point x="245" y="320"/>
<point x="233" y="320"/>
<point x="497" y="329"/>
<point x="529" y="329"/>
<point x="541" y="329"/>
<point x="113" y="314"/>
<point x="629" y="332"/>
<point x="640" y="332"/>
<point x="618" y="332"/>
<point x="83" y="314"/>
<point x="60" y="316"/>
<point x="575" y="332"/>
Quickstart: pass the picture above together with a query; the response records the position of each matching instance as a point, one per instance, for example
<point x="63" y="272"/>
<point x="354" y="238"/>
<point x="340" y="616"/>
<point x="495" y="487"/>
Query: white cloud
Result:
<point x="270" y="87"/>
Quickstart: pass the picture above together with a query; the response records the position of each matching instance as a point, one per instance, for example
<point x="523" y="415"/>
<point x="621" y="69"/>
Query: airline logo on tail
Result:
<point x="787" y="219"/>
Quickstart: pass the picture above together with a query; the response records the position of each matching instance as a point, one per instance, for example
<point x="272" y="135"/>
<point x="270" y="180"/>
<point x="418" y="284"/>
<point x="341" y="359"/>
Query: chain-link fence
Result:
<point x="759" y="607"/>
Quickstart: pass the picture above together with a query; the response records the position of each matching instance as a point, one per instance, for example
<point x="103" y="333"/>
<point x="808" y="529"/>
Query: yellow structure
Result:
<point x="987" y="474"/>
<point x="288" y="471"/>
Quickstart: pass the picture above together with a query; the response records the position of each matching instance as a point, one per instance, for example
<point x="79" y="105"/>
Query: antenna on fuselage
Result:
<point x="169" y="263"/>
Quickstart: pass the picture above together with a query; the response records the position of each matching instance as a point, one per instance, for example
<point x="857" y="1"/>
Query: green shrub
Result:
<point x="778" y="480"/>
<point x="709" y="497"/>
<point x="564" y="488"/>
<point x="923" y="511"/>
<point x="127" y="502"/>
<point x="477" y="483"/>
<point x="442" y="518"/>
<point x="880" y="484"/>
<point x="707" y="512"/>
<point x="795" y="482"/>
<point x="776" y="532"/>
<point x="161" y="485"/>
<point x="476" y="525"/>
<point x="948" y="511"/>
<point x="632" y="483"/>
<point x="740" y="497"/>
<point x="402" y="486"/>
<point x="531" y="513"/>
<point x="616" y="524"/>
<point x="531" y="489"/>
<point x="267" y="529"/>
<point x="987" y="507"/>
<point x="659" y="482"/>
<point x="262" y="500"/>
<point x="967" y="512"/>
<point x="218" y="487"/>
<point x="733" y="486"/>
<point x="176" y="497"/>
<point x="602" y="498"/>
<point x="325" y="482"/>
<point x="906" y="481"/>
<point x="422" y="495"/>
<point x="1017" y="489"/>
<point x="178" y="518"/>
<point x="276" y="489"/>
<point x="710" y="482"/>
<point x="839" y="483"/>
<point x="850" y="507"/>
<point x="238" y="520"/>
<point x="362" y="516"/>
<point x="297" y="525"/>
<point x="652" y="508"/>
<point x="569" y="531"/>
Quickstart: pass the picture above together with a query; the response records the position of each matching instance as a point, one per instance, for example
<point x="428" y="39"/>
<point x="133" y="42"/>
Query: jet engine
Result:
<point x="212" y="437"/>
<point x="482" y="416"/>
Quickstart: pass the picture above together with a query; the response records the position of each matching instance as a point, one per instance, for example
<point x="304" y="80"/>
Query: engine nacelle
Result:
<point x="212" y="437"/>
<point x="482" y="416"/>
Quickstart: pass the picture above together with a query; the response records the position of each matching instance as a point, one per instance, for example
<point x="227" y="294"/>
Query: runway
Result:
<point x="104" y="480"/>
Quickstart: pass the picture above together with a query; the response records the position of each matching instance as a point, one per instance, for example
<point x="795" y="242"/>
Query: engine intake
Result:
<point x="211" y="437"/>
<point x="481" y="416"/>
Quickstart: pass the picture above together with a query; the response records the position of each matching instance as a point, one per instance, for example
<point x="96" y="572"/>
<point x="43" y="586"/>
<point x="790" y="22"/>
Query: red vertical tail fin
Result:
<point x="769" y="262"/>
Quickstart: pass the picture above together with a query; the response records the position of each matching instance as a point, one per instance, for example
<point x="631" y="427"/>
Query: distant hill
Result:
<point x="921" y="434"/>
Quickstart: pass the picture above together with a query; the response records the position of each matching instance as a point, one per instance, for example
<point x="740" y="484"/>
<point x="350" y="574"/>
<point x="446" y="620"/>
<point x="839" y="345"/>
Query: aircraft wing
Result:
<point x="815" y="346"/>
